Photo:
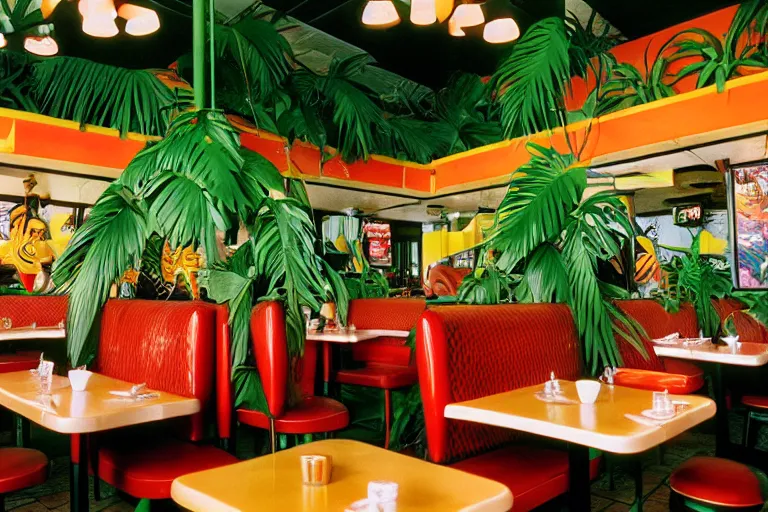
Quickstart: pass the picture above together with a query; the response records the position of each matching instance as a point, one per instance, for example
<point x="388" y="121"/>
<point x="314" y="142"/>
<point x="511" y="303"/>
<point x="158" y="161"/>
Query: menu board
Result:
<point x="379" y="238"/>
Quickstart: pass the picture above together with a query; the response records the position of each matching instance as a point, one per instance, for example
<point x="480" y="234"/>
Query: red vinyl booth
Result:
<point x="388" y="362"/>
<point x="444" y="280"/>
<point x="171" y="347"/>
<point x="656" y="373"/>
<point x="467" y="352"/>
<point x="23" y="311"/>
<point x="312" y="414"/>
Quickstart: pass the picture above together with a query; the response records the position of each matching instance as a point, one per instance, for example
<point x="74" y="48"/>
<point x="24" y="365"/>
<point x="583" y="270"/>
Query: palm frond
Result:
<point x="15" y="82"/>
<point x="532" y="80"/>
<point x="111" y="241"/>
<point x="542" y="195"/>
<point x="545" y="278"/>
<point x="259" y="56"/>
<point x="91" y="93"/>
<point x="486" y="285"/>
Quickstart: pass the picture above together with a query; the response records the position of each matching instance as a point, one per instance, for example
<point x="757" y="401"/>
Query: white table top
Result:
<point x="273" y="483"/>
<point x="602" y="425"/>
<point x="93" y="410"/>
<point x="337" y="336"/>
<point x="743" y="354"/>
<point x="28" y="333"/>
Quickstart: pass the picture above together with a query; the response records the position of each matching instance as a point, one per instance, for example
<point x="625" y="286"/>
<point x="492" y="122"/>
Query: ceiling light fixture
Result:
<point x="140" y="21"/>
<point x="47" y="7"/>
<point x="98" y="17"/>
<point x="501" y="30"/>
<point x="42" y="46"/>
<point x="380" y="14"/>
<point x="465" y="15"/>
<point x="423" y="12"/>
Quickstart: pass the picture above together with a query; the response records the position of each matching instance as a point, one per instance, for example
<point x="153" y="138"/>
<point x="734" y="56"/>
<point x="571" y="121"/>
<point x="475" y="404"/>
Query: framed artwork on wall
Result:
<point x="748" y="209"/>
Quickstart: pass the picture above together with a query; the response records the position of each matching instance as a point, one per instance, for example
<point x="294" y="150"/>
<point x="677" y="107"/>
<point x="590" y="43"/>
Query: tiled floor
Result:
<point x="54" y="495"/>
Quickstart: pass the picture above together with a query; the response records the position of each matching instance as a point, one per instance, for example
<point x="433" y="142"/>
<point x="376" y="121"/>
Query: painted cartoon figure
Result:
<point x="27" y="248"/>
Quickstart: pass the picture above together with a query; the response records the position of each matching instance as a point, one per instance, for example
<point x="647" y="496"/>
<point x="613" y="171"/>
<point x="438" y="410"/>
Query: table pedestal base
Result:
<point x="579" y="498"/>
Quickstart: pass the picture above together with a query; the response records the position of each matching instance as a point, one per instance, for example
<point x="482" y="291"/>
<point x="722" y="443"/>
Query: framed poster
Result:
<point x="379" y="238"/>
<point x="748" y="204"/>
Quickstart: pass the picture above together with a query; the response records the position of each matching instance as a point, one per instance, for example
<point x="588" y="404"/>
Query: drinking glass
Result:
<point x="45" y="376"/>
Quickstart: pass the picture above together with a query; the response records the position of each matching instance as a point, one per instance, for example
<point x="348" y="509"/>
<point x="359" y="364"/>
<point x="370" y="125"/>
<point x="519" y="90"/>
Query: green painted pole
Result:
<point x="212" y="49"/>
<point x="198" y="51"/>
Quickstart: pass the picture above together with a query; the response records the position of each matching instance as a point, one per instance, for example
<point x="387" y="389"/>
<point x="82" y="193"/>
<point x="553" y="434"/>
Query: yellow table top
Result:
<point x="93" y="410"/>
<point x="743" y="354"/>
<point x="602" y="425"/>
<point x="28" y="333"/>
<point x="273" y="483"/>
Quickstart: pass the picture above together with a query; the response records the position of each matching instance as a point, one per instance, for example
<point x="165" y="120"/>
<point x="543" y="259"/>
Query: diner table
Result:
<point x="344" y="336"/>
<point x="66" y="411"/>
<point x="32" y="333"/>
<point x="602" y="425"/>
<point x="740" y="354"/>
<point x="273" y="483"/>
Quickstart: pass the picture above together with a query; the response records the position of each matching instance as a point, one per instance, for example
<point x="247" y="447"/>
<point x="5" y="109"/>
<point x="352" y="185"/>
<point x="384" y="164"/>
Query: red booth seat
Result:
<point x="444" y="280"/>
<point x="657" y="373"/>
<point x="170" y="346"/>
<point x="388" y="361"/>
<point x="467" y="352"/>
<point x="21" y="468"/>
<point x="719" y="482"/>
<point x="312" y="414"/>
<point x="19" y="361"/>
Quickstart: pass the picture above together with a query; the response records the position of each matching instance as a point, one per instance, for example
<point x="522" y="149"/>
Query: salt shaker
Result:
<point x="608" y="375"/>
<point x="555" y="384"/>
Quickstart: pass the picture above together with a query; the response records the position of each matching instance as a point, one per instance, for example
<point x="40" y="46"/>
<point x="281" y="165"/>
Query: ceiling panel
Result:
<point x="639" y="18"/>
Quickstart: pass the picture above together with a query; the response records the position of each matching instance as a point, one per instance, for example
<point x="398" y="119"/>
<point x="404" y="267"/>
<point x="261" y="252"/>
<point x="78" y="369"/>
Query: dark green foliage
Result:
<point x="721" y="61"/>
<point x="92" y="93"/>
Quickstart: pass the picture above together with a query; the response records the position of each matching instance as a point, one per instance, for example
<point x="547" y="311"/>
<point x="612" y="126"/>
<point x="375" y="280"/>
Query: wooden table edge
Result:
<point x="637" y="444"/>
<point x="196" y="501"/>
<point x="750" y="361"/>
<point x="42" y="333"/>
<point x="68" y="425"/>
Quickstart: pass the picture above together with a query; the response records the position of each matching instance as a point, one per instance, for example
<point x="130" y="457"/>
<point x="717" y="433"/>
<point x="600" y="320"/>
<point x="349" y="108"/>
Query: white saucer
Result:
<point x="649" y="413"/>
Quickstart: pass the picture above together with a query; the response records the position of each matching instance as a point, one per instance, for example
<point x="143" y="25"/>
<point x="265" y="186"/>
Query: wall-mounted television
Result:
<point x="748" y="205"/>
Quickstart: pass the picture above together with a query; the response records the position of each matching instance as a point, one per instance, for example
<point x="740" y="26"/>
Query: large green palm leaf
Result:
<point x="542" y="194"/>
<point x="111" y="241"/>
<point x="92" y="93"/>
<point x="545" y="278"/>
<point x="532" y="80"/>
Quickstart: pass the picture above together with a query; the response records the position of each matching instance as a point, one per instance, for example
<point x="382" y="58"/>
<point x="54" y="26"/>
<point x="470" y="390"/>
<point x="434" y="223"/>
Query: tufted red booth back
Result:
<point x="749" y="329"/>
<point x="389" y="314"/>
<point x="467" y="352"/>
<point x="657" y="324"/>
<point x="168" y="345"/>
<point x="24" y="310"/>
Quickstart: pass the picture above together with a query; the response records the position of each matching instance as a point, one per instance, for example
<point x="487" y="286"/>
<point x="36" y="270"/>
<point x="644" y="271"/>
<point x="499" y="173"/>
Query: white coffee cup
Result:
<point x="588" y="390"/>
<point x="78" y="379"/>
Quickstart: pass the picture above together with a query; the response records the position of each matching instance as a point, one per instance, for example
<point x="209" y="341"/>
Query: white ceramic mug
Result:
<point x="588" y="390"/>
